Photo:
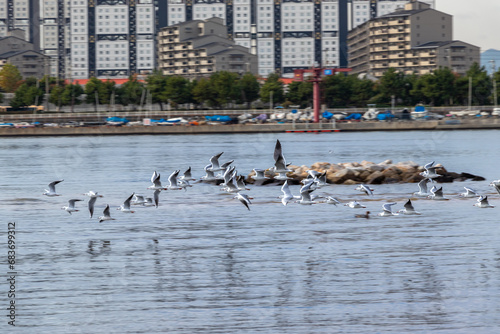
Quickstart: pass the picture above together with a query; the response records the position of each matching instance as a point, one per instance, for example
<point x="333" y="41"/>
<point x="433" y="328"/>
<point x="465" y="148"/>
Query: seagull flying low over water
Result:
<point x="280" y="165"/>
<point x="354" y="205"/>
<point x="259" y="175"/>
<point x="287" y="194"/>
<point x="214" y="162"/>
<point x="106" y="215"/>
<point x="71" y="206"/>
<point x="210" y="176"/>
<point x="469" y="193"/>
<point x="496" y="185"/>
<point x="187" y="175"/>
<point x="437" y="194"/>
<point x="93" y="197"/>
<point x="125" y="207"/>
<point x="243" y="198"/>
<point x="482" y="202"/>
<point x="305" y="194"/>
<point x="430" y="171"/>
<point x="387" y="207"/>
<point x="422" y="186"/>
<point x="52" y="189"/>
<point x="172" y="180"/>
<point x="408" y="209"/>
<point x="332" y="200"/>
<point x="138" y="200"/>
<point x="155" y="179"/>
<point x="365" y="189"/>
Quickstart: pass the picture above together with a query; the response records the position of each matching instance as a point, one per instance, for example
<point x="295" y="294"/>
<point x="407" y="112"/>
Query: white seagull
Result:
<point x="305" y="195"/>
<point x="214" y="162"/>
<point x="482" y="202"/>
<point x="172" y="180"/>
<point x="259" y="175"/>
<point x="71" y="206"/>
<point x="496" y="185"/>
<point x="93" y="197"/>
<point x="422" y="189"/>
<point x="210" y="176"/>
<point x="240" y="183"/>
<point x="52" y="189"/>
<point x="408" y="209"/>
<point x="387" y="207"/>
<point x="149" y="200"/>
<point x="469" y="193"/>
<point x="437" y="194"/>
<point x="155" y="179"/>
<point x="125" y="207"/>
<point x="243" y="198"/>
<point x="365" y="189"/>
<point x="430" y="171"/>
<point x="287" y="194"/>
<point x="280" y="165"/>
<point x="332" y="200"/>
<point x="355" y="205"/>
<point x="187" y="175"/>
<point x="106" y="215"/>
<point x="138" y="200"/>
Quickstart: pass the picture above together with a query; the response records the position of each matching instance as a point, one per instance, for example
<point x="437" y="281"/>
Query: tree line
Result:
<point x="224" y="89"/>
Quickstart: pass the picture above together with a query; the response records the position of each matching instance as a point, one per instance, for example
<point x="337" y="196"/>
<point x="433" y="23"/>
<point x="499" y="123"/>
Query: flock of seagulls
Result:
<point x="227" y="177"/>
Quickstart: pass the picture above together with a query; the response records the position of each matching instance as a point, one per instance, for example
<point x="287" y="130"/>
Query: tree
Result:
<point x="29" y="93"/>
<point x="203" y="92"/>
<point x="65" y="95"/>
<point x="273" y="86"/>
<point x="10" y="78"/>
<point x="130" y="92"/>
<point x="225" y="87"/>
<point x="300" y="93"/>
<point x="481" y="84"/>
<point x="249" y="88"/>
<point x="103" y="91"/>
<point x="177" y="90"/>
<point x="156" y="84"/>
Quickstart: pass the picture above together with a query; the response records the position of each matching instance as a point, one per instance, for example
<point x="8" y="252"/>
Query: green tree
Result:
<point x="481" y="84"/>
<point x="10" y="78"/>
<point x="225" y="87"/>
<point x="177" y="90"/>
<point x="65" y="95"/>
<point x="249" y="87"/>
<point x="129" y="93"/>
<point x="273" y="86"/>
<point x="337" y="91"/>
<point x="29" y="93"/>
<point x="203" y="92"/>
<point x="156" y="85"/>
<point x="300" y="93"/>
<point x="102" y="89"/>
<point x="390" y="85"/>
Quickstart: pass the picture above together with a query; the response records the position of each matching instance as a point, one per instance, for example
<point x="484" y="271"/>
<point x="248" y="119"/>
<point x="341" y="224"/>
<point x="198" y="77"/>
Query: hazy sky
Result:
<point x="474" y="21"/>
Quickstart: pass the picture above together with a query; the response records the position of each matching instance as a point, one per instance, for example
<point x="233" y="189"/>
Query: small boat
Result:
<point x="419" y="112"/>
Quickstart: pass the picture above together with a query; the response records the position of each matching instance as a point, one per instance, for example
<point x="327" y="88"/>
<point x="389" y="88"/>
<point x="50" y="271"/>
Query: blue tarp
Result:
<point x="261" y="117"/>
<point x="354" y="116"/>
<point x="327" y="115"/>
<point x="420" y="109"/>
<point x="117" y="119"/>
<point x="218" y="118"/>
<point x="385" y="116"/>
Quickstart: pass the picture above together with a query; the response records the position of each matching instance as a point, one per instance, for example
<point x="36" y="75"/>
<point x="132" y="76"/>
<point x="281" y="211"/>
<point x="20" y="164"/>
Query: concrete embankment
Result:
<point x="483" y="123"/>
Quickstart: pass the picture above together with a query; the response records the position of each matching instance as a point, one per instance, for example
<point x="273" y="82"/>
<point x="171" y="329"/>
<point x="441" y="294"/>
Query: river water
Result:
<point x="203" y="263"/>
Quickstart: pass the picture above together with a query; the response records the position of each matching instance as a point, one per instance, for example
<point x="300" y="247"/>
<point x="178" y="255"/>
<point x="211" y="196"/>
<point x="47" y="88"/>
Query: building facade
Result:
<point x="201" y="47"/>
<point x="411" y="40"/>
<point x="23" y="55"/>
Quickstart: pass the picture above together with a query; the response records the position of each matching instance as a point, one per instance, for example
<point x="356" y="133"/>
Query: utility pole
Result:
<point x="493" y="70"/>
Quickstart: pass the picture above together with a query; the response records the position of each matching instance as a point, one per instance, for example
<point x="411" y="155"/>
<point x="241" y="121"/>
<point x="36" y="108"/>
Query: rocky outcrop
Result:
<point x="370" y="173"/>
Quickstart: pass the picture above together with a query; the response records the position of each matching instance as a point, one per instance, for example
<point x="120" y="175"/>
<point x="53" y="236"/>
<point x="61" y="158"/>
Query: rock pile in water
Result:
<point x="370" y="173"/>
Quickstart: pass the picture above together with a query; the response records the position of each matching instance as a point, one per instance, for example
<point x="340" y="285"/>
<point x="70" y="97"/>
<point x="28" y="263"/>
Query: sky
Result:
<point x="474" y="21"/>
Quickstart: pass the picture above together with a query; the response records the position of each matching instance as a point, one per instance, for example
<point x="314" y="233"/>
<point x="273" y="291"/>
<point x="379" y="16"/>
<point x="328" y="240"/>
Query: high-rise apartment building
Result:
<point x="23" y="15"/>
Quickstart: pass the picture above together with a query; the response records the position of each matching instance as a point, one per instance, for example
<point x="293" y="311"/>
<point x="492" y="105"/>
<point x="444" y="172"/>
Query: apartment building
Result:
<point x="22" y="15"/>
<point x="413" y="40"/>
<point x="201" y="47"/>
<point x="23" y="55"/>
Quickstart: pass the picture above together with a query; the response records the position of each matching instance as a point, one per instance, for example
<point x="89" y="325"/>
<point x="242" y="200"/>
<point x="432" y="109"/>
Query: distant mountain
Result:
<point x="489" y="55"/>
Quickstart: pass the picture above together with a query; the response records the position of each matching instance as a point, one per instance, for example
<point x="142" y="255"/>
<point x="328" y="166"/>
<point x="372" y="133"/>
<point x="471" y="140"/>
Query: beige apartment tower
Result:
<point x="413" y="40"/>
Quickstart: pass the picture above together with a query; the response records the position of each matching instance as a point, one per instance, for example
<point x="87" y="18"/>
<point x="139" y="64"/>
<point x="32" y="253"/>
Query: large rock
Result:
<point x="376" y="178"/>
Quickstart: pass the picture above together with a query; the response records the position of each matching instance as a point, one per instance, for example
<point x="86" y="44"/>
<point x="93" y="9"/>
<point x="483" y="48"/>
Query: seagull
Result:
<point x="363" y="215"/>
<point x="52" y="189"/>
<point x="244" y="199"/>
<point x="496" y="184"/>
<point x="282" y="176"/>
<point x="231" y="187"/>
<point x="321" y="180"/>
<point x="225" y="165"/>
<point x="125" y="207"/>
<point x="365" y="189"/>
<point x="259" y="175"/>
<point x="287" y="194"/>
<point x="155" y="179"/>
<point x="93" y="197"/>
<point x="214" y="162"/>
<point x="408" y="209"/>
<point x="437" y="194"/>
<point x="71" y="206"/>
<point x="332" y="200"/>
<point x="305" y="195"/>
<point x="468" y="193"/>
<point x="422" y="186"/>
<point x="430" y="171"/>
<point x="280" y="165"/>
<point x="187" y="175"/>
<point x="228" y="175"/>
<point x="482" y="202"/>
<point x="106" y="215"/>
<point x="354" y="205"/>
<point x="184" y="184"/>
<point x="138" y="200"/>
<point x="172" y="180"/>
<point x="210" y="176"/>
<point x="156" y="197"/>
<point x="240" y="183"/>
<point x="387" y="207"/>
<point x="149" y="201"/>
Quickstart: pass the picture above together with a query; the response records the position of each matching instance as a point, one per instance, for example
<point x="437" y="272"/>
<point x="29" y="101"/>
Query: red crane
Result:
<point x="315" y="78"/>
